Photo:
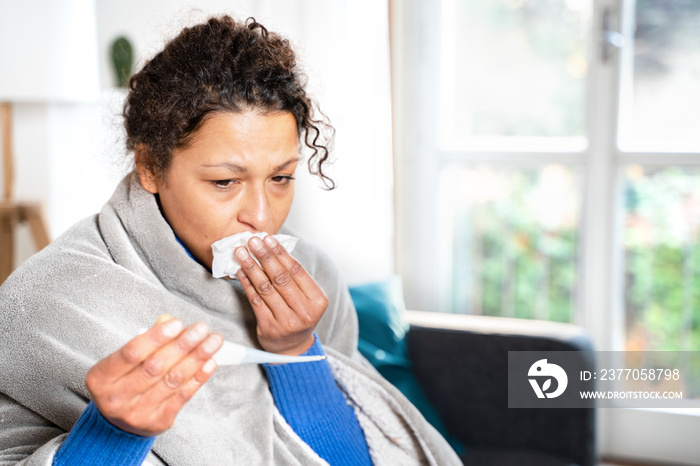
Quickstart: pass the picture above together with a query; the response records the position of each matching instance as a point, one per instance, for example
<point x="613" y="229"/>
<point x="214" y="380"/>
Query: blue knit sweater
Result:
<point x="309" y="399"/>
<point x="306" y="394"/>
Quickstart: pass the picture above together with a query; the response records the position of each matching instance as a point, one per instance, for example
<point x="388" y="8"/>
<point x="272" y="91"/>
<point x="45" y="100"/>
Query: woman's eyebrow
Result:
<point x="241" y="169"/>
<point x="231" y="166"/>
<point x="286" y="164"/>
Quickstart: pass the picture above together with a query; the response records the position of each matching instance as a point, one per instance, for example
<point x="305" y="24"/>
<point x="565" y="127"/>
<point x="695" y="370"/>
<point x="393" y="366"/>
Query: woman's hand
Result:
<point x="287" y="301"/>
<point x="141" y="387"/>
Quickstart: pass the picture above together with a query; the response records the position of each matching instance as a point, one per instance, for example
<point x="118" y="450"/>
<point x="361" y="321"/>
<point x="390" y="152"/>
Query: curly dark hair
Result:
<point x="219" y="66"/>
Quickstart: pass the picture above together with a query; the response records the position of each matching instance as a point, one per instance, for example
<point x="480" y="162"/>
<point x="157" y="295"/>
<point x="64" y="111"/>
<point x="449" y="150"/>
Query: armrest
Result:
<point x="461" y="362"/>
<point x="540" y="329"/>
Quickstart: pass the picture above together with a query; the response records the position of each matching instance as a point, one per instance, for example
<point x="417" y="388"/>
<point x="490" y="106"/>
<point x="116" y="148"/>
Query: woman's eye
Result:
<point x="282" y="179"/>
<point x="223" y="183"/>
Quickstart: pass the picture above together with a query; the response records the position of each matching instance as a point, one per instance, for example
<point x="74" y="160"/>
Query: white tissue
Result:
<point x="225" y="263"/>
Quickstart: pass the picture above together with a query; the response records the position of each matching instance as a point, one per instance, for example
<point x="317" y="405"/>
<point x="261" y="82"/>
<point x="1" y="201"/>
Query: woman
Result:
<point x="214" y="122"/>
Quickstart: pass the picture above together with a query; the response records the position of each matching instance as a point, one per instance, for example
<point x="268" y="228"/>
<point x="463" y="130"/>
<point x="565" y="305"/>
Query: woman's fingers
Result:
<point x="287" y="302"/>
<point x="268" y="295"/>
<point x="259" y="306"/>
<point x="183" y="379"/>
<point x="132" y="354"/>
<point x="303" y="280"/>
<point x="280" y="272"/>
<point x="166" y="366"/>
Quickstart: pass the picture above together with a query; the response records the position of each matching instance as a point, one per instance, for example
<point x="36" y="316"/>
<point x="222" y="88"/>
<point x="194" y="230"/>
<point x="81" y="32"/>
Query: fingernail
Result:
<point x="270" y="241"/>
<point x="198" y="331"/>
<point x="256" y="243"/>
<point x="212" y="343"/>
<point x="164" y="318"/>
<point x="209" y="366"/>
<point x="172" y="328"/>
<point x="242" y="254"/>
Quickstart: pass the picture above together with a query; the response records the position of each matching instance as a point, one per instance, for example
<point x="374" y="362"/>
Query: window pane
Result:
<point x="513" y="245"/>
<point x="660" y="104"/>
<point x="513" y="68"/>
<point x="662" y="258"/>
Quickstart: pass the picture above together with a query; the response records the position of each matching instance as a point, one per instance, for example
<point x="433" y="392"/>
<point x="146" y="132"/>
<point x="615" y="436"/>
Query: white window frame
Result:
<point x="657" y="435"/>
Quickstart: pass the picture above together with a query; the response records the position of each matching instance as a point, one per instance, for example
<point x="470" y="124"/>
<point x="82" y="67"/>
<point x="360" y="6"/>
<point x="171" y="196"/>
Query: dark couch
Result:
<point x="461" y="362"/>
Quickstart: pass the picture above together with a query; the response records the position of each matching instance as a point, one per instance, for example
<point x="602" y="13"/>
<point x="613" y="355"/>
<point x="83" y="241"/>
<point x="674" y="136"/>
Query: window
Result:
<point x="514" y="242"/>
<point x="548" y="164"/>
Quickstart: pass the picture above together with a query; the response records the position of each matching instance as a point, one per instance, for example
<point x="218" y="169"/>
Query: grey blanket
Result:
<point x="112" y="274"/>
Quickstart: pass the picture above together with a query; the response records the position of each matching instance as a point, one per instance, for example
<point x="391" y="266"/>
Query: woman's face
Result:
<point x="237" y="174"/>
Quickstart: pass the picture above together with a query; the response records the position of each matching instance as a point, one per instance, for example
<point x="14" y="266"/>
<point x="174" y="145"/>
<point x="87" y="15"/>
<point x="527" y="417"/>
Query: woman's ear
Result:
<point x="144" y="169"/>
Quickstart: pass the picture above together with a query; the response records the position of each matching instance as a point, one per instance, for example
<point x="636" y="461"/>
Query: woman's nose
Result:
<point x="256" y="210"/>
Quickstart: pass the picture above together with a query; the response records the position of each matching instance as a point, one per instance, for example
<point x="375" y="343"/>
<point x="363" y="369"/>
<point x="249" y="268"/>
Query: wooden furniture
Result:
<point x="13" y="213"/>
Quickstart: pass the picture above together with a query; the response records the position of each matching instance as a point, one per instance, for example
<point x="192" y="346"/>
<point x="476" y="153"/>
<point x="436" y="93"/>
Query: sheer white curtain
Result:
<point x="343" y="46"/>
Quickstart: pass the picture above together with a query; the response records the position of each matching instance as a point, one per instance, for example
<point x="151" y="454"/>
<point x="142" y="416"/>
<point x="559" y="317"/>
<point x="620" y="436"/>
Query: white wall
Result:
<point x="69" y="155"/>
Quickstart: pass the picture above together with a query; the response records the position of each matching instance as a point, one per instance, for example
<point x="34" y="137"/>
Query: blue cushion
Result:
<point x="380" y="311"/>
